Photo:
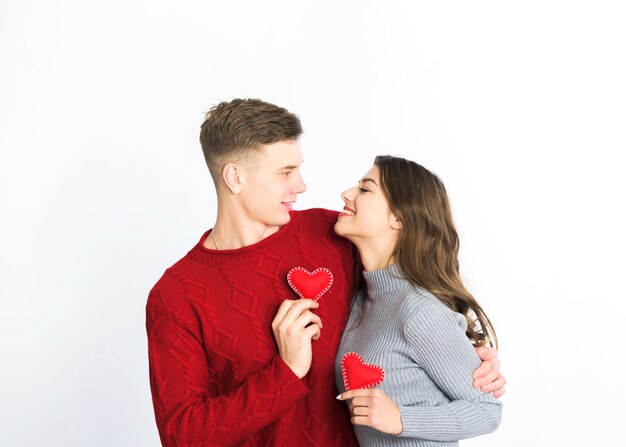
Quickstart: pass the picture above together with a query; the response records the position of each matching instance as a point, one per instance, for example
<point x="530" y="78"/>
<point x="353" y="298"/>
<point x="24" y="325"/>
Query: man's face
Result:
<point x="272" y="186"/>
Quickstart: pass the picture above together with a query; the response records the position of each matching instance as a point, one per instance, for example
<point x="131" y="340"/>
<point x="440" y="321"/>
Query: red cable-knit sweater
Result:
<point x="215" y="372"/>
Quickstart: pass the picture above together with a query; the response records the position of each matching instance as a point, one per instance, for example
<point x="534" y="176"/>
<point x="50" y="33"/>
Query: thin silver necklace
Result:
<point x="214" y="241"/>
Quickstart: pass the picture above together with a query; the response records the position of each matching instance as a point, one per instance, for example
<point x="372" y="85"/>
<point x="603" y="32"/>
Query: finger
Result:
<point x="494" y="385"/>
<point x="498" y="393"/>
<point x="297" y="308"/>
<point x="306" y="318"/>
<point x="313" y="331"/>
<point x="307" y="324"/>
<point x="359" y="402"/>
<point x="351" y="394"/>
<point x="295" y="328"/>
<point x="361" y="420"/>
<point x="484" y="369"/>
<point x="360" y="411"/>
<point x="492" y="351"/>
<point x="486" y="352"/>
<point x="487" y="379"/>
<point x="307" y="303"/>
<point x="282" y="311"/>
<point x="376" y="392"/>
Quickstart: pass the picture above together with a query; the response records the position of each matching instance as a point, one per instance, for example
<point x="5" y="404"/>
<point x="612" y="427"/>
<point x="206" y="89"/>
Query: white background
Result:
<point x="519" y="106"/>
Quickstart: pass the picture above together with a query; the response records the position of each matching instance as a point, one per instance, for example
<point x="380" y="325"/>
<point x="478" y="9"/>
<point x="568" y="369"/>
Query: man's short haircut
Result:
<point x="235" y="131"/>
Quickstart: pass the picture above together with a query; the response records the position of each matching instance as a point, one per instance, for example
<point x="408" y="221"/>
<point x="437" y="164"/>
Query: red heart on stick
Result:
<point x="357" y="375"/>
<point x="310" y="284"/>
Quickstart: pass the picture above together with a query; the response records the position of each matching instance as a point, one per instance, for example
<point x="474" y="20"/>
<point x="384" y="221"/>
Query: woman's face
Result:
<point x="366" y="215"/>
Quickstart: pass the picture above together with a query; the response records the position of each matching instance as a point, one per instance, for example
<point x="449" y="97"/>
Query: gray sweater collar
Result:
<point x="384" y="281"/>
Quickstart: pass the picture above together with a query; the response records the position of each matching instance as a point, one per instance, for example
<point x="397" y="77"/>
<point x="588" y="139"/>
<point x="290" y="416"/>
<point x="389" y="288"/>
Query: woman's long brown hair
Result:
<point x="428" y="245"/>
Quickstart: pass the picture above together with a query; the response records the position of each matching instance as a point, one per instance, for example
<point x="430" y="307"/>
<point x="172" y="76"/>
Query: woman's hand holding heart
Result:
<point x="373" y="408"/>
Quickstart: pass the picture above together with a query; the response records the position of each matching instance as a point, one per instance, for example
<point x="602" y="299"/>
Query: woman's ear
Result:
<point x="233" y="177"/>
<point x="396" y="224"/>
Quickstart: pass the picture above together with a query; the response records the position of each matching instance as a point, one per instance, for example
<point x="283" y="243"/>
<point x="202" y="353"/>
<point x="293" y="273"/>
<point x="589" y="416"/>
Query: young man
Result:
<point x="234" y="358"/>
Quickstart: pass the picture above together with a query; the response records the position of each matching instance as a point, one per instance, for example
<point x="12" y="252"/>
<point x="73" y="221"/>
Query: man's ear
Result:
<point x="234" y="177"/>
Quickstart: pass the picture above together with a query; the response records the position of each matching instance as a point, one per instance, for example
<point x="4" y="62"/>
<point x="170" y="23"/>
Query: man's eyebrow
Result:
<point x="288" y="167"/>
<point x="367" y="179"/>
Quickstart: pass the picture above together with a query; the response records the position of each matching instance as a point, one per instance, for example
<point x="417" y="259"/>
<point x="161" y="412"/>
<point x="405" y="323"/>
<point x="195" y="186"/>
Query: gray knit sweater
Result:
<point x="428" y="362"/>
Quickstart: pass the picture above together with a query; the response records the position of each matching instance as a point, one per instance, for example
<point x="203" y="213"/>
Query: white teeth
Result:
<point x="348" y="212"/>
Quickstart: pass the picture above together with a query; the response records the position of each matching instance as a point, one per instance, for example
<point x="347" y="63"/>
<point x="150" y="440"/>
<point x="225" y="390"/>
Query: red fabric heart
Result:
<point x="310" y="285"/>
<point x="357" y="375"/>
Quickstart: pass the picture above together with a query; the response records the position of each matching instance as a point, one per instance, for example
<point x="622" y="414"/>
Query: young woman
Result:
<point x="413" y="316"/>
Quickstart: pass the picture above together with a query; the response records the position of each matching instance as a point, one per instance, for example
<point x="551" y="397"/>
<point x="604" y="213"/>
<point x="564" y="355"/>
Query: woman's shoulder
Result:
<point x="418" y="297"/>
<point x="426" y="305"/>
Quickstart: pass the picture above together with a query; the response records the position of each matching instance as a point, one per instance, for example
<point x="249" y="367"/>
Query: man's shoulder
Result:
<point x="318" y="213"/>
<point x="316" y="227"/>
<point x="316" y="216"/>
<point x="172" y="278"/>
<point x="176" y="278"/>
<point x="316" y="221"/>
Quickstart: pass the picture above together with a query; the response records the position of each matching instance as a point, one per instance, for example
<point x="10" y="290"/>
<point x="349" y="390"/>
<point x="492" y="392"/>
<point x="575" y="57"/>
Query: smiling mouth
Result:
<point x="347" y="211"/>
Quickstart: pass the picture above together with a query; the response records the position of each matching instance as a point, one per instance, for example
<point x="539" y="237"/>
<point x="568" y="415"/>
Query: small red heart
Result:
<point x="357" y="375"/>
<point x="310" y="285"/>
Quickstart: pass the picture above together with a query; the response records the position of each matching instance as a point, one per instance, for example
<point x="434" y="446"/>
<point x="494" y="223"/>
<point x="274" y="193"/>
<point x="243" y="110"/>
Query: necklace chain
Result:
<point x="214" y="241"/>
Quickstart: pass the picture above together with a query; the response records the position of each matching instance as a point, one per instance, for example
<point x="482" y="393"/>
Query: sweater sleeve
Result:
<point x="188" y="409"/>
<point x="442" y="349"/>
